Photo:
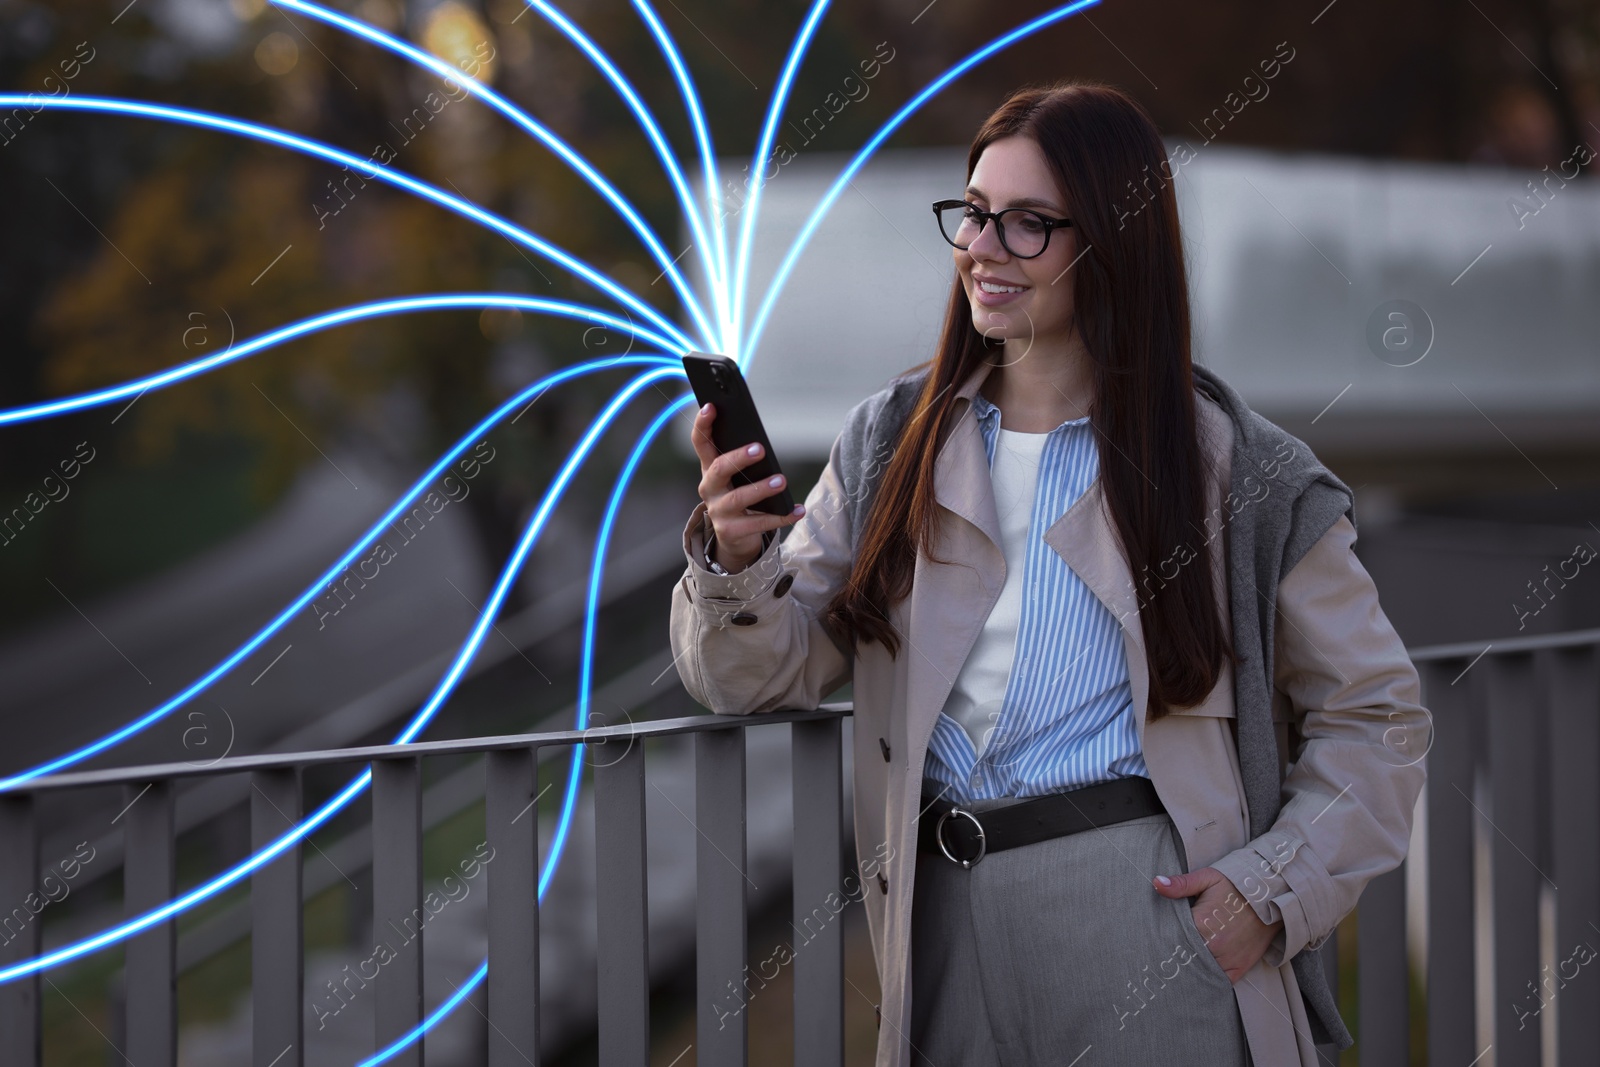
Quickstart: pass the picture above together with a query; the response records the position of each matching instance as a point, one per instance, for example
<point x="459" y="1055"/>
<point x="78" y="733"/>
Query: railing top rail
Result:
<point x="463" y="746"/>
<point x="1530" y="643"/>
<point x="655" y="728"/>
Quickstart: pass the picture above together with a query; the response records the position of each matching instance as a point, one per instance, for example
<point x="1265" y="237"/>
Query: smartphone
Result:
<point x="717" y="380"/>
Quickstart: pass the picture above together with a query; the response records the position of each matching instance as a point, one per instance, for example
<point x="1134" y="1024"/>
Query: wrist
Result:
<point x="716" y="561"/>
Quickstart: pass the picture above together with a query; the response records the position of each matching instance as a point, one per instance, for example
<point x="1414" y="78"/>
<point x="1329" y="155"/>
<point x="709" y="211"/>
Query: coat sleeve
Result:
<point x="753" y="641"/>
<point x="1350" y="794"/>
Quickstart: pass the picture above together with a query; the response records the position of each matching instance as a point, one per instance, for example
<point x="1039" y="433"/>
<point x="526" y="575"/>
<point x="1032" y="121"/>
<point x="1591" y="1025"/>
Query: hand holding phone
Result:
<point x="745" y="493"/>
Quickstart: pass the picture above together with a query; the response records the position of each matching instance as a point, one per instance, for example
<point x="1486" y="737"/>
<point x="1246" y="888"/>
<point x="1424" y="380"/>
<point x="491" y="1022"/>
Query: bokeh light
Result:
<point x="277" y="53"/>
<point x="458" y="36"/>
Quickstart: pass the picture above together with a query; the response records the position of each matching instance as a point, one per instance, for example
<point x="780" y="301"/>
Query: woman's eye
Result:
<point x="1031" y="224"/>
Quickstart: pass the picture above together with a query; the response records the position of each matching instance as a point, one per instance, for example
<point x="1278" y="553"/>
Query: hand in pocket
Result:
<point x="1228" y="925"/>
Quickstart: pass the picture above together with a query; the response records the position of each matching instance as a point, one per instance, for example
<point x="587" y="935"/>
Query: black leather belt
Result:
<point x="965" y="837"/>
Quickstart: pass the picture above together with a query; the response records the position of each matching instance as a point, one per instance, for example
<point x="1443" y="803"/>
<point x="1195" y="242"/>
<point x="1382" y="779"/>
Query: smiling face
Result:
<point x="1012" y="172"/>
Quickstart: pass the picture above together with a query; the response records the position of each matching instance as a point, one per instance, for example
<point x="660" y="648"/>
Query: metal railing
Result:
<point x="1511" y="810"/>
<point x="510" y="790"/>
<point x="363" y="716"/>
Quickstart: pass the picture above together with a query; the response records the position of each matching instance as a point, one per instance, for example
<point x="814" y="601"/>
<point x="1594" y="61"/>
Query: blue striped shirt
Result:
<point x="1066" y="718"/>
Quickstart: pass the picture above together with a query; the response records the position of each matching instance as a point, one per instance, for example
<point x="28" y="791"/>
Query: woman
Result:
<point x="1074" y="701"/>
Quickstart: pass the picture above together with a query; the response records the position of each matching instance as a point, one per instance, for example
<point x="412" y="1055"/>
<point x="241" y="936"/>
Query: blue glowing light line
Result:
<point x="647" y="122"/>
<point x="157" y="714"/>
<point x="552" y="496"/>
<point x="186" y="116"/>
<point x="769" y="130"/>
<point x="597" y="570"/>
<point x="708" y="164"/>
<point x="469" y="649"/>
<point x="405" y="1041"/>
<point x="322" y="322"/>
<point x="747" y="350"/>
<point x="527" y="122"/>
<point x="574" y="770"/>
<point x="194" y="896"/>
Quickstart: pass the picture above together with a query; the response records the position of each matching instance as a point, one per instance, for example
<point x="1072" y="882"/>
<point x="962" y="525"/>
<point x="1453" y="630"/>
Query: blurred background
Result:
<point x="1394" y="247"/>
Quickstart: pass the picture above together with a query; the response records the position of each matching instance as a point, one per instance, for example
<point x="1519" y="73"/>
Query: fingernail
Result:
<point x="754" y="450"/>
<point x="775" y="481"/>
<point x="799" y="509"/>
<point x="706" y="407"/>
<point x="1163" y="879"/>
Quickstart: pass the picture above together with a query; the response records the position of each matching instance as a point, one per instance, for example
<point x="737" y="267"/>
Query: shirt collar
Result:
<point x="983" y="409"/>
<point x="989" y="415"/>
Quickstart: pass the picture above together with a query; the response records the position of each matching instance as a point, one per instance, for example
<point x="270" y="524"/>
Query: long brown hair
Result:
<point x="1132" y="310"/>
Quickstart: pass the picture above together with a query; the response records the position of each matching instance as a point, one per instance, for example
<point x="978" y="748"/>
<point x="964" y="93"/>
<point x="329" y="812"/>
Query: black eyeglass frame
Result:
<point x="983" y="217"/>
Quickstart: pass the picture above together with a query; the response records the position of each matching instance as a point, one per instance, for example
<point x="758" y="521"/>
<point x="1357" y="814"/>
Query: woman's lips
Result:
<point x="988" y="299"/>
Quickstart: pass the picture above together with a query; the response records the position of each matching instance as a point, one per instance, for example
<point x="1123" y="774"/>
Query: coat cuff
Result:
<point x="720" y="596"/>
<point x="1278" y="875"/>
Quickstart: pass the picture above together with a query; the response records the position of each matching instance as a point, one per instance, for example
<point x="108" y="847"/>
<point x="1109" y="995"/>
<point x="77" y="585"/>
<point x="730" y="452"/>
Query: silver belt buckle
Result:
<point x="938" y="834"/>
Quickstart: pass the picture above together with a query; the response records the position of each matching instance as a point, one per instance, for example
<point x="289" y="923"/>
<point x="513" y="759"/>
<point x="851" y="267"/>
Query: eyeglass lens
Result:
<point x="1022" y="232"/>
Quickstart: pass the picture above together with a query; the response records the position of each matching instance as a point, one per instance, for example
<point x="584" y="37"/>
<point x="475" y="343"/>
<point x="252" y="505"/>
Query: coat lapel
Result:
<point x="949" y="602"/>
<point x="962" y="483"/>
<point x="1086" y="540"/>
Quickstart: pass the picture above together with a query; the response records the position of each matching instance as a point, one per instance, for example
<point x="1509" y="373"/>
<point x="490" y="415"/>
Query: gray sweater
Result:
<point x="1265" y="541"/>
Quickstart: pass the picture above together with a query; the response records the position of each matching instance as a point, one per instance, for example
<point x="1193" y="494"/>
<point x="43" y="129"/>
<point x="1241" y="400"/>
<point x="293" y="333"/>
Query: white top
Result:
<point x="976" y="697"/>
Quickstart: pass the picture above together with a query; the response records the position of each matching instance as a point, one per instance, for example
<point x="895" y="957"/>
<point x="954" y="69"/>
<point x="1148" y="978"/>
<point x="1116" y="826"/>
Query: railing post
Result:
<point x="1517" y="787"/>
<point x="20" y="1037"/>
<point x="397" y="912"/>
<point x="721" y="907"/>
<point x="277" y="977"/>
<point x="1574" y="803"/>
<point x="1382" y="979"/>
<point x="1448" y="695"/>
<point x="1329" y="955"/>
<point x="818" y="906"/>
<point x="622" y="937"/>
<point x="511" y="819"/>
<point x="149" y="881"/>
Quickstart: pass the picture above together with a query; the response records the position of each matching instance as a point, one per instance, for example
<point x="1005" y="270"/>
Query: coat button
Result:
<point x="744" y="618"/>
<point x="883" y="884"/>
<point x="783" y="585"/>
<point x="884" y="746"/>
<point x="877" y="1013"/>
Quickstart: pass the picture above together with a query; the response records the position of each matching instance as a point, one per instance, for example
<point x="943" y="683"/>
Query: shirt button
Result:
<point x="977" y="780"/>
<point x="743" y="618"/>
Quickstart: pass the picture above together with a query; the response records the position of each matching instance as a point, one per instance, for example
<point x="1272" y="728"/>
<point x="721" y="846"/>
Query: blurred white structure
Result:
<point x="1293" y="260"/>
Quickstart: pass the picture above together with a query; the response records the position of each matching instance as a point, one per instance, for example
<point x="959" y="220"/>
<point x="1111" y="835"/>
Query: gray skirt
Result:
<point x="1062" y="953"/>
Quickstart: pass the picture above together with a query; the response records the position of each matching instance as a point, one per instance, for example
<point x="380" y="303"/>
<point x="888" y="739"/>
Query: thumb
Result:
<point x="1186" y="885"/>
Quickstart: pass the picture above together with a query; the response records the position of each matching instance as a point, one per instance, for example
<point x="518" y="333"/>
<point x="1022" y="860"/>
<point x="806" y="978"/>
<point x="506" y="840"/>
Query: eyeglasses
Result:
<point x="961" y="223"/>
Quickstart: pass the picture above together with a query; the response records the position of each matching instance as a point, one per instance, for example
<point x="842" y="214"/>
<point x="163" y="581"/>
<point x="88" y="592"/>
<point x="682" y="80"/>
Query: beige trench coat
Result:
<point x="750" y="642"/>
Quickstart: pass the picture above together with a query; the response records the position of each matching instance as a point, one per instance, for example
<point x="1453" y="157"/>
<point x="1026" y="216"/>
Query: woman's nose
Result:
<point x="987" y="243"/>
